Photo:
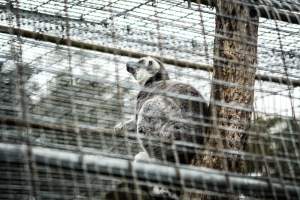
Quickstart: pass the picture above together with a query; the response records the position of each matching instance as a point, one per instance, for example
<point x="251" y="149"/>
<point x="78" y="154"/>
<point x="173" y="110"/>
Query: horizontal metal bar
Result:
<point x="133" y="54"/>
<point x="179" y="176"/>
<point x="12" y="121"/>
<point x="266" y="9"/>
<point x="71" y="129"/>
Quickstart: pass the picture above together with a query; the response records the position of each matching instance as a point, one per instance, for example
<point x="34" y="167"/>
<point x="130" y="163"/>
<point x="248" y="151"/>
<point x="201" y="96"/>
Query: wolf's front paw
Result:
<point x="120" y="128"/>
<point x="164" y="193"/>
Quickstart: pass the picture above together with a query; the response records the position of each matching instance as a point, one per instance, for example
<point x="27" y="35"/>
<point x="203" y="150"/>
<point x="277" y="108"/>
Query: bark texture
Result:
<point x="232" y="94"/>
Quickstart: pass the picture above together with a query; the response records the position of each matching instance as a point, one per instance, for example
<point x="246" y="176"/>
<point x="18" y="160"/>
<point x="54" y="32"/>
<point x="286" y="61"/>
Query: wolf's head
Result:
<point x="147" y="70"/>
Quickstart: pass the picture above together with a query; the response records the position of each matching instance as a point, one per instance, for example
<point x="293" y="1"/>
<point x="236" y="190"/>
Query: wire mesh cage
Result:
<point x="149" y="99"/>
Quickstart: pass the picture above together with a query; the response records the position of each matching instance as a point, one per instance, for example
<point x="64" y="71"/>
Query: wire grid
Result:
<point x="60" y="102"/>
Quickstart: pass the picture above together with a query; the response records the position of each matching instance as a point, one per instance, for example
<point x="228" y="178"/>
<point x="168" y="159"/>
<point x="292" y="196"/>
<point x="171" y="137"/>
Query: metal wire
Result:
<point x="64" y="86"/>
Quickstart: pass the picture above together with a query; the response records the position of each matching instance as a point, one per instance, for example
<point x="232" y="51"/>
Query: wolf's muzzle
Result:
<point x="131" y="66"/>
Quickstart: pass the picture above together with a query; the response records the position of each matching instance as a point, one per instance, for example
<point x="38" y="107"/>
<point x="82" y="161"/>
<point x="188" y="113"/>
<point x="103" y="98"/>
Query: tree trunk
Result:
<point x="232" y="94"/>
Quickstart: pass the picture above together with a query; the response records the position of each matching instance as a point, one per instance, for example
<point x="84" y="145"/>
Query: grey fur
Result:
<point x="167" y="112"/>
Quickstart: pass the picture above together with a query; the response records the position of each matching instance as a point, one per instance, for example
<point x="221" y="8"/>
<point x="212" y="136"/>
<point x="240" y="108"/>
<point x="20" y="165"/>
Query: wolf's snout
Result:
<point x="130" y="67"/>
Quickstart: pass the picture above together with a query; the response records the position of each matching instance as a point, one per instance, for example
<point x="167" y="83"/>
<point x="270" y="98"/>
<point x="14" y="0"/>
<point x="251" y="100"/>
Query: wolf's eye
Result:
<point x="140" y="61"/>
<point x="150" y="62"/>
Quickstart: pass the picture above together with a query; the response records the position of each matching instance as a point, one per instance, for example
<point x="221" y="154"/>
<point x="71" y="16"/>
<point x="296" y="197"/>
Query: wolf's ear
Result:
<point x="159" y="62"/>
<point x="163" y="74"/>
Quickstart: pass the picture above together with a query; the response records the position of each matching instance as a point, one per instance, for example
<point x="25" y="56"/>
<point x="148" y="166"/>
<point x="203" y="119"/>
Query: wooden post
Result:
<point x="232" y="94"/>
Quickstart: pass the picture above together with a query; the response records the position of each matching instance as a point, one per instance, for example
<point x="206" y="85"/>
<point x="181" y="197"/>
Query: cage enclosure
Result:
<point x="149" y="99"/>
